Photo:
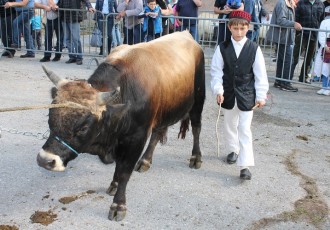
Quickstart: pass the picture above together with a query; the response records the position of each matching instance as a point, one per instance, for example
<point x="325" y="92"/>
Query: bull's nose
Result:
<point x="50" y="161"/>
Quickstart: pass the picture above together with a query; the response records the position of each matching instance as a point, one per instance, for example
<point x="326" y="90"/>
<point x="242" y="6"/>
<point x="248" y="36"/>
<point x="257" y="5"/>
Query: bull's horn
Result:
<point x="51" y="75"/>
<point x="108" y="97"/>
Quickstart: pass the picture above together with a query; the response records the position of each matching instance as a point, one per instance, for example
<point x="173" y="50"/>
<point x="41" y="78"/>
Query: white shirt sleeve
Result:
<point x="260" y="74"/>
<point x="217" y="72"/>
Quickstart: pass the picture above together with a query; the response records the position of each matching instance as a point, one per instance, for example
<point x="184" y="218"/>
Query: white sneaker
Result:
<point x="326" y="92"/>
<point x="320" y="92"/>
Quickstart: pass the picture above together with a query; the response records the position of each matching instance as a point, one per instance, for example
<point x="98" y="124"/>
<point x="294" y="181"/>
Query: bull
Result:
<point x="136" y="93"/>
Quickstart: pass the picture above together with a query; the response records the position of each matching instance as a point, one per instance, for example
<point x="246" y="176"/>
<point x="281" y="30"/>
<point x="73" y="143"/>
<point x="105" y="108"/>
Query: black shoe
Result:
<point x="56" y="58"/>
<point x="71" y="60"/>
<point x="232" y="158"/>
<point x="27" y="56"/>
<point x="79" y="62"/>
<point x="277" y="84"/>
<point x="5" y="54"/>
<point x="288" y="87"/>
<point x="245" y="174"/>
<point x="45" y="59"/>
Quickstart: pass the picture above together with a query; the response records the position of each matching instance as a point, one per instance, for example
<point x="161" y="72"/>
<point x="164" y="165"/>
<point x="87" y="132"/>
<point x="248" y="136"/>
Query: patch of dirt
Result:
<point x="311" y="209"/>
<point x="44" y="218"/>
<point x="302" y="137"/>
<point x="8" y="227"/>
<point x="69" y="199"/>
<point x="262" y="117"/>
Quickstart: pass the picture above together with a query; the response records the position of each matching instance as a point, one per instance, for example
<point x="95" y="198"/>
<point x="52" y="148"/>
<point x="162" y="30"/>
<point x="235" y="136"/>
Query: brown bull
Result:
<point x="151" y="86"/>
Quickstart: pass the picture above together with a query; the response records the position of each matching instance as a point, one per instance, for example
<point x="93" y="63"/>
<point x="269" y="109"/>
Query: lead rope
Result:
<point x="216" y="130"/>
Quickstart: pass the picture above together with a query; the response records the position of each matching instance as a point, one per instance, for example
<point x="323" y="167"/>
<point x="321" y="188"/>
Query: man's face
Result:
<point x="238" y="31"/>
<point x="152" y="5"/>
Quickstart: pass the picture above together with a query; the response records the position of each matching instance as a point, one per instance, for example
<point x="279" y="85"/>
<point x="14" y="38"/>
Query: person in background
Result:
<point x="71" y="16"/>
<point x="116" y="35"/>
<point x="223" y="11"/>
<point x="282" y="35"/>
<point x="322" y="59"/>
<point x="107" y="9"/>
<point x="239" y="81"/>
<point x="6" y="18"/>
<point x="53" y="24"/>
<point x="129" y="10"/>
<point x="21" y="24"/>
<point x="36" y="29"/>
<point x="189" y="8"/>
<point x="309" y="13"/>
<point x="252" y="7"/>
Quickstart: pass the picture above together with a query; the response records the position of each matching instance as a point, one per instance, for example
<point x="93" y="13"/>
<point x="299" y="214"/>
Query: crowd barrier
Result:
<point x="208" y="28"/>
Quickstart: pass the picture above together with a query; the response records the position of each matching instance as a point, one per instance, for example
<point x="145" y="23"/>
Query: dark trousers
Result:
<point x="108" y="36"/>
<point x="284" y="62"/>
<point x="36" y="36"/>
<point x="309" y="46"/>
<point x="51" y="27"/>
<point x="133" y="36"/>
<point x="7" y="33"/>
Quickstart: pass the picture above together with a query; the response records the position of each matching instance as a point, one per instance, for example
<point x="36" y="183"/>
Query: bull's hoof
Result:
<point x="195" y="162"/>
<point x="112" y="189"/>
<point x="117" y="212"/>
<point x="142" y="166"/>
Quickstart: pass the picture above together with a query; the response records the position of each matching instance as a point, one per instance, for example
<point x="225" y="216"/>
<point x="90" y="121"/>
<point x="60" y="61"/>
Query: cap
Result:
<point x="240" y="14"/>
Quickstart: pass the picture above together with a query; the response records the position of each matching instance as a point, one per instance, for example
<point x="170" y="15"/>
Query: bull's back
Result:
<point x="164" y="69"/>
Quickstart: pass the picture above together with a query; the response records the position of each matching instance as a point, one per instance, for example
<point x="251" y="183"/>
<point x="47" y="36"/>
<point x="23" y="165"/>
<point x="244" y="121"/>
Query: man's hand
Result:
<point x="9" y="4"/>
<point x="92" y="10"/>
<point x="220" y="99"/>
<point x="297" y="26"/>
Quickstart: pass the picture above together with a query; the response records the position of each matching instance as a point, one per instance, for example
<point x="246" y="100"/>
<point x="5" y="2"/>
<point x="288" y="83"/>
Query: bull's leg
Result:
<point x="146" y="160"/>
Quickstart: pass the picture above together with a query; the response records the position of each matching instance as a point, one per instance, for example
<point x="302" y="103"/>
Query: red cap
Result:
<point x="240" y="14"/>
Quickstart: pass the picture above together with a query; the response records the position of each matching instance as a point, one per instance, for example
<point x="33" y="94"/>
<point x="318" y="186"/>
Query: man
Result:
<point x="71" y="16"/>
<point x="52" y="25"/>
<point x="6" y="18"/>
<point x="189" y="8"/>
<point x="21" y="24"/>
<point x="252" y="7"/>
<point x="129" y="10"/>
<point x="309" y="13"/>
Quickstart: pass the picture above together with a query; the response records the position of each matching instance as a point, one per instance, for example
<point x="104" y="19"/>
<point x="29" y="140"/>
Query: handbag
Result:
<point x="96" y="38"/>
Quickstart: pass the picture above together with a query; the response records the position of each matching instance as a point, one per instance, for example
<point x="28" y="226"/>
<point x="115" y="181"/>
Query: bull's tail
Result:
<point x="184" y="127"/>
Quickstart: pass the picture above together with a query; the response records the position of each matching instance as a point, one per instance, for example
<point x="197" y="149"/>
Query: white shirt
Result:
<point x="259" y="70"/>
<point x="51" y="15"/>
<point x="105" y="8"/>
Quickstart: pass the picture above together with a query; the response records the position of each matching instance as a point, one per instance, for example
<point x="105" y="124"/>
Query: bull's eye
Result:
<point x="83" y="130"/>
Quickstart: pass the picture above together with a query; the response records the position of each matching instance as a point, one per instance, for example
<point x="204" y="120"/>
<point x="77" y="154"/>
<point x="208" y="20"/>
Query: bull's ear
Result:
<point x="105" y="98"/>
<point x="53" y="77"/>
<point x="53" y="92"/>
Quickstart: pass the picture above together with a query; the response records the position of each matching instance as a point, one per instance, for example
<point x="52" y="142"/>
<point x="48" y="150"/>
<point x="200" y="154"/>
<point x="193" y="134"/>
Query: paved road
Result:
<point x="289" y="188"/>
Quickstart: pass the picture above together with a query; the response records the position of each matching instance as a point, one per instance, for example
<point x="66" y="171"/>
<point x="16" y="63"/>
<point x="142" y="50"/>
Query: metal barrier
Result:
<point x="81" y="22"/>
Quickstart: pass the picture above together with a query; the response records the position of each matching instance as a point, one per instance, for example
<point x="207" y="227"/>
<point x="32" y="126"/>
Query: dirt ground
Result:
<point x="289" y="187"/>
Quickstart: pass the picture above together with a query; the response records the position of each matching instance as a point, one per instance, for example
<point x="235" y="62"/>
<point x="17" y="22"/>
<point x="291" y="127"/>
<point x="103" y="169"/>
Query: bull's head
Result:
<point x="76" y="129"/>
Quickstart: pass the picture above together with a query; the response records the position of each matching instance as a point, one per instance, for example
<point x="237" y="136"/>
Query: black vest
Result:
<point x="238" y="78"/>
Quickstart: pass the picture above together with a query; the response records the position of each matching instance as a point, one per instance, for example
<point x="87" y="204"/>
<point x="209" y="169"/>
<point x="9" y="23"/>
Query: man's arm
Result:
<point x="38" y="4"/>
<point x="16" y="4"/>
<point x="198" y="3"/>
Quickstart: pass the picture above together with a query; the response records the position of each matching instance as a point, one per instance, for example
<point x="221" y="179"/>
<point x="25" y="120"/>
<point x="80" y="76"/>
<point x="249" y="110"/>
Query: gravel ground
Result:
<point x="289" y="188"/>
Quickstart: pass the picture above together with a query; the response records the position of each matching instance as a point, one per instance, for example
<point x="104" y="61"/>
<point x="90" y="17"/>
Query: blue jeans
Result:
<point x="116" y="37"/>
<point x="193" y="30"/>
<point x="284" y="60"/>
<point x="21" y="24"/>
<point x="72" y="38"/>
<point x="110" y="23"/>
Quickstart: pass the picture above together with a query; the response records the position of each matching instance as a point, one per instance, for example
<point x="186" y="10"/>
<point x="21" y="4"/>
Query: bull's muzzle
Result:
<point x="50" y="161"/>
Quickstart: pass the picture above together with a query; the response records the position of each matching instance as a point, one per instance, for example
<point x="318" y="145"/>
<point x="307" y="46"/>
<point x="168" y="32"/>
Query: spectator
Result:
<point x="52" y="25"/>
<point x="223" y="11"/>
<point x="189" y="8"/>
<point x="283" y="36"/>
<point x="107" y="9"/>
<point x="6" y="18"/>
<point x="36" y="29"/>
<point x="166" y="9"/>
<point x="309" y="14"/>
<point x="152" y="24"/>
<point x="239" y="81"/>
<point x="129" y="10"/>
<point x="116" y="35"/>
<point x="252" y="7"/>
<point x="174" y="22"/>
<point x="21" y="24"/>
<point x="322" y="59"/>
<point x="71" y="16"/>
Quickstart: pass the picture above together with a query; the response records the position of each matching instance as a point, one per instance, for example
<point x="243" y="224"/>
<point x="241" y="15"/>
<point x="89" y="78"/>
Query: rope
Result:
<point x="216" y="130"/>
<point x="33" y="107"/>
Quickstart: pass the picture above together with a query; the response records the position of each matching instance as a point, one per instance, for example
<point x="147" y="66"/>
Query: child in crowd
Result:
<point x="36" y="29"/>
<point x="152" y="24"/>
<point x="322" y="59"/>
<point x="239" y="81"/>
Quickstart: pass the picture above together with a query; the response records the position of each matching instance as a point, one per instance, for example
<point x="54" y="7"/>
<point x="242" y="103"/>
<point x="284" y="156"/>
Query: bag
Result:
<point x="326" y="56"/>
<point x="96" y="39"/>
